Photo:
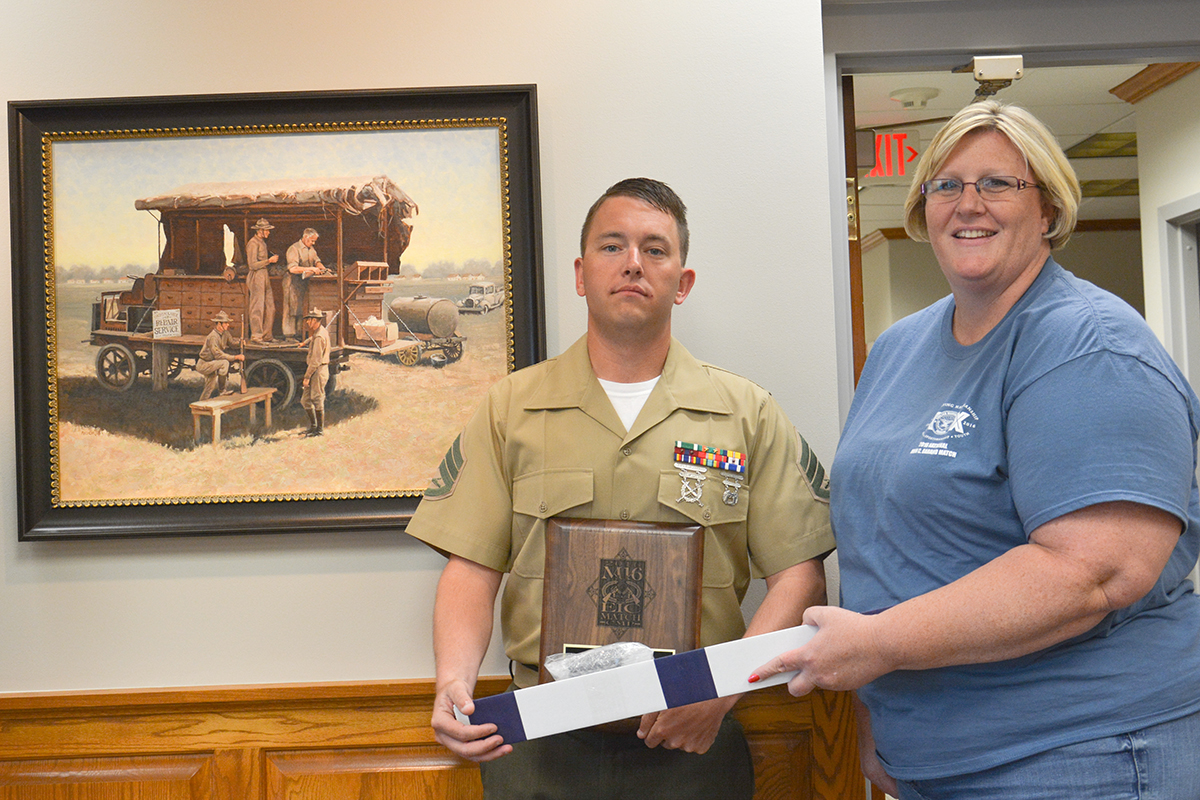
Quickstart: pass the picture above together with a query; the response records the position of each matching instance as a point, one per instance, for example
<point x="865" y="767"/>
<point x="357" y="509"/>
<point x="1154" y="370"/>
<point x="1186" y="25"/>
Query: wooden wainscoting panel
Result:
<point x="782" y="766"/>
<point x="424" y="773"/>
<point x="341" y="740"/>
<point x="162" y="777"/>
<point x="239" y="773"/>
<point x="804" y="748"/>
<point x="837" y="770"/>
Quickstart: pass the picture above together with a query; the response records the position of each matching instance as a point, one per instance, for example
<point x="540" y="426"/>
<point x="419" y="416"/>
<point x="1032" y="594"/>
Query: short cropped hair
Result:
<point x="310" y="232"/>
<point x="1042" y="153"/>
<point x="648" y="190"/>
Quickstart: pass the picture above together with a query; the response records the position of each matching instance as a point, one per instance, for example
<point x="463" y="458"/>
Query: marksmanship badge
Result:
<point x="730" y="498"/>
<point x="691" y="483"/>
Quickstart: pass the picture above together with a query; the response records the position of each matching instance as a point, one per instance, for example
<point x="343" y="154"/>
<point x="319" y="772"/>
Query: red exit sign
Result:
<point x="894" y="153"/>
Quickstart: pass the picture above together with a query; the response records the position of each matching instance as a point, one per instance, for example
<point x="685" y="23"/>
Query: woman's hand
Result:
<point x="842" y="655"/>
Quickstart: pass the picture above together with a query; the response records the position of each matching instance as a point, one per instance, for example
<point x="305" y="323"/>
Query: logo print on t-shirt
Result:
<point x="952" y="421"/>
<point x="947" y="423"/>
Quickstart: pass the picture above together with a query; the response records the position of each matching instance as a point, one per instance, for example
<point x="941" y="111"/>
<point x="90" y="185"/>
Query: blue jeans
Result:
<point x="1161" y="762"/>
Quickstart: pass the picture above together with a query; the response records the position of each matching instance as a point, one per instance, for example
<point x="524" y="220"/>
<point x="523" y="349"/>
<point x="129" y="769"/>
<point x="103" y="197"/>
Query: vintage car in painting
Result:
<point x="482" y="297"/>
<point x="364" y="228"/>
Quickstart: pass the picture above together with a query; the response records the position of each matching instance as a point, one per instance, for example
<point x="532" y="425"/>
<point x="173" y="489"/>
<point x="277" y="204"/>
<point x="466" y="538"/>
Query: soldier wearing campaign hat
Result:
<point x="216" y="357"/>
<point x="316" y="374"/>
<point x="258" y="283"/>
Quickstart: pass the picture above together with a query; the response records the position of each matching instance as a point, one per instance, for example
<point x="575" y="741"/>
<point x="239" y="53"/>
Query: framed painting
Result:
<point x="263" y="312"/>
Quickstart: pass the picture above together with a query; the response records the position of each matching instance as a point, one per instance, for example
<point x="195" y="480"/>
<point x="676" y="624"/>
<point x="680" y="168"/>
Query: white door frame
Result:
<point x="1177" y="224"/>
<point x="1179" y="259"/>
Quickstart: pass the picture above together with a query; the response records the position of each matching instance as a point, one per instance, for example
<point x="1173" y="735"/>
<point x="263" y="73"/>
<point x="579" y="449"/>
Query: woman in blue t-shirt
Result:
<point x="1016" y="510"/>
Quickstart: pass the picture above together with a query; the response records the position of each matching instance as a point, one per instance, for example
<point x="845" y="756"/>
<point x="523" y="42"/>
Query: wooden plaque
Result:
<point x="608" y="581"/>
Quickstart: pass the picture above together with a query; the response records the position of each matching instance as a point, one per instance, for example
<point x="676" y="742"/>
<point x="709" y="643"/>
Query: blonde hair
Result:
<point x="1041" y="151"/>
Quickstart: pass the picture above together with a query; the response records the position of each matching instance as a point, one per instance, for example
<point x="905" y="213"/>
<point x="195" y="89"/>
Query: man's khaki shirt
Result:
<point x="301" y="255"/>
<point x="216" y="346"/>
<point x="547" y="442"/>
<point x="257" y="255"/>
<point x="318" y="352"/>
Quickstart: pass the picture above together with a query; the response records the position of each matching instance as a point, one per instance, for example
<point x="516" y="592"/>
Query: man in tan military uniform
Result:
<point x="316" y="373"/>
<point x="560" y="438"/>
<point x="214" y="359"/>
<point x="258" y="283"/>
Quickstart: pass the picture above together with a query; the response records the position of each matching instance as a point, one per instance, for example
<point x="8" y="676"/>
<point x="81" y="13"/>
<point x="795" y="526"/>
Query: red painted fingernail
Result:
<point x="753" y="679"/>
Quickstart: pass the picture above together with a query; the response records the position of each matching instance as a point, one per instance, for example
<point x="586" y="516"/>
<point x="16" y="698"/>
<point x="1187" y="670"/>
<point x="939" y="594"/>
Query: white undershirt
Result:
<point x="628" y="398"/>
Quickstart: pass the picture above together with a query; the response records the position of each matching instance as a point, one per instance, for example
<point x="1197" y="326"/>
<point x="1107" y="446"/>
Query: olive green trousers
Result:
<point x="590" y="765"/>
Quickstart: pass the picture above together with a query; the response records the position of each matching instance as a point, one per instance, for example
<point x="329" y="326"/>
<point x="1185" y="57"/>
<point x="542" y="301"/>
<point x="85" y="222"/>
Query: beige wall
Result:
<point x="877" y="291"/>
<point x="1111" y="259"/>
<point x="736" y="110"/>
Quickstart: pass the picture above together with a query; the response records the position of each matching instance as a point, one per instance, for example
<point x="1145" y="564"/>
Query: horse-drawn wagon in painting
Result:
<point x="204" y="229"/>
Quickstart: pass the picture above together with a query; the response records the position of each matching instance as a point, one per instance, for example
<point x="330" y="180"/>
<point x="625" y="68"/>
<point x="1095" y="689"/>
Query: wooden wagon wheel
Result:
<point x="273" y="373"/>
<point x="116" y="367"/>
<point x="409" y="356"/>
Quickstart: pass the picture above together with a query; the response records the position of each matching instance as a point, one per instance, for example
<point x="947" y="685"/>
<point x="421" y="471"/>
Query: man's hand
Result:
<point x="473" y="742"/>
<point x="462" y="628"/>
<point x="691" y="728"/>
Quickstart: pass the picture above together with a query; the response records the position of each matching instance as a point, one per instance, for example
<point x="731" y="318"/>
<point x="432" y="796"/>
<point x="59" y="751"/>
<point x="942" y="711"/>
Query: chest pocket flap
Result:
<point x="550" y="492"/>
<point x="717" y="504"/>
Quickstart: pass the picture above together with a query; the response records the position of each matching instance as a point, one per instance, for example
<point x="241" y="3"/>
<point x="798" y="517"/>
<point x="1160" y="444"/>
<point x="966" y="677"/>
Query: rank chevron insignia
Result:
<point x="814" y="473"/>
<point x="448" y="472"/>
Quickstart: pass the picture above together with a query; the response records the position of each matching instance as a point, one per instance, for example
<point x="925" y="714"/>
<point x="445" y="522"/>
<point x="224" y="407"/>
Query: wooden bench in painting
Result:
<point x="216" y="406"/>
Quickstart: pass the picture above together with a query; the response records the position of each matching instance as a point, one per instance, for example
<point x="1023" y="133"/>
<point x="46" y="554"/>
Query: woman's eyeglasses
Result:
<point x="995" y="187"/>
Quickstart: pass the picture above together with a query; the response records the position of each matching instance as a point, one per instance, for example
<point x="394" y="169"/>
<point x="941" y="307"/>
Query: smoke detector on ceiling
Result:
<point x="916" y="97"/>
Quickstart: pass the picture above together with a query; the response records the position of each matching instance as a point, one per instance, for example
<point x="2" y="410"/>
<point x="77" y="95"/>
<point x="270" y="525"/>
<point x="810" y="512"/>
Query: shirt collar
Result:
<point x="571" y="383"/>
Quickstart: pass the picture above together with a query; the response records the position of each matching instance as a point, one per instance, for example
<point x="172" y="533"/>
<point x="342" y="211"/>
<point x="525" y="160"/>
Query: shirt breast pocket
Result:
<point x="718" y="508"/>
<point x="549" y="492"/>
<point x="538" y="496"/>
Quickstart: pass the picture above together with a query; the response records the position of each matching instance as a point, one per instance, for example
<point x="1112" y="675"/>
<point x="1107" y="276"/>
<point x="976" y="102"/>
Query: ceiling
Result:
<point x="1074" y="102"/>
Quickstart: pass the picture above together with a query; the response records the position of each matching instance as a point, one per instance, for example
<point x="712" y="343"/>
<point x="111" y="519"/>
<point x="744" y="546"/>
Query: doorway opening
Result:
<point x="897" y="114"/>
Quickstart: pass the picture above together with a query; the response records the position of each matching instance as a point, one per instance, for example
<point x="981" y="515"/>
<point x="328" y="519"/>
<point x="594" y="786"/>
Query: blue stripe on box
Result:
<point x="685" y="678"/>
<point x="502" y="710"/>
